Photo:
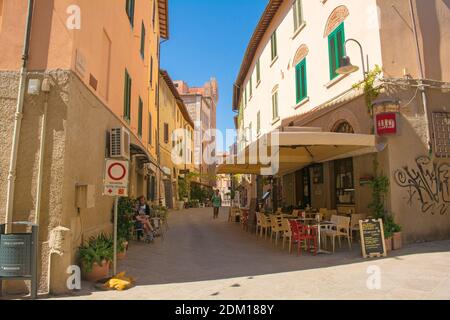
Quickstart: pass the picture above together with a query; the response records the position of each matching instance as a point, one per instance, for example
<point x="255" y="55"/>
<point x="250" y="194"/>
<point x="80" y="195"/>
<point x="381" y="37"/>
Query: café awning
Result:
<point x="293" y="150"/>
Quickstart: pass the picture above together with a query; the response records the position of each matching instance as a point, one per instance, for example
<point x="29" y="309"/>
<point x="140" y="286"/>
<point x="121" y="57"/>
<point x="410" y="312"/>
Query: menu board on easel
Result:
<point x="372" y="238"/>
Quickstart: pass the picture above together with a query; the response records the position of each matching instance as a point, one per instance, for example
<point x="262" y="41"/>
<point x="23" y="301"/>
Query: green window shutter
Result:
<point x="274" y="45"/>
<point x="127" y="97"/>
<point x="129" y="7"/>
<point x="150" y="129"/>
<point x="258" y="71"/>
<point x="258" y="122"/>
<point x="336" y="43"/>
<point x="301" y="87"/>
<point x="141" y="110"/>
<point x="143" y="40"/>
<point x="275" y="106"/>
<point x="251" y="86"/>
<point x="298" y="14"/>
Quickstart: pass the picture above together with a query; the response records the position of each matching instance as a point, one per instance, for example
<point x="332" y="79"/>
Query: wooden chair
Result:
<point x="339" y="229"/>
<point x="276" y="226"/>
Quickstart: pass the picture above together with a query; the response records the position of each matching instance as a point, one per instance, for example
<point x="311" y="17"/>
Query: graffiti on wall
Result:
<point x="427" y="183"/>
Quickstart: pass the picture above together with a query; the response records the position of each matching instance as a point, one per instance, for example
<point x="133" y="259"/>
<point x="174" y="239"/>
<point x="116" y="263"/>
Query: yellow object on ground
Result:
<point x="120" y="282"/>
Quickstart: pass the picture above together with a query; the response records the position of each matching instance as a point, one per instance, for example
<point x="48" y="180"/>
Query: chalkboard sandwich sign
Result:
<point x="372" y="238"/>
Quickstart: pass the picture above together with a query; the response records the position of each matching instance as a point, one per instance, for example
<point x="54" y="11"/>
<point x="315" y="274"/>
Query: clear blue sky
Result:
<point x="208" y="39"/>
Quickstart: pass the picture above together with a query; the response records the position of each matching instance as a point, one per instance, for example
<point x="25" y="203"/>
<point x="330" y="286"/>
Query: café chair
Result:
<point x="276" y="224"/>
<point x="340" y="228"/>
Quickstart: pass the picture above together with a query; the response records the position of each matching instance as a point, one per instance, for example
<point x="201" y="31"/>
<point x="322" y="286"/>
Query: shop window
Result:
<point x="345" y="185"/>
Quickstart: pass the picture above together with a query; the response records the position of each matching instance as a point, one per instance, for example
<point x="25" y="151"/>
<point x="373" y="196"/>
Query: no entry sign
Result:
<point x="116" y="178"/>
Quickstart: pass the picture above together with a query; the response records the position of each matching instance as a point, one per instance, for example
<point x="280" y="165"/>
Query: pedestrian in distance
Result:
<point x="217" y="203"/>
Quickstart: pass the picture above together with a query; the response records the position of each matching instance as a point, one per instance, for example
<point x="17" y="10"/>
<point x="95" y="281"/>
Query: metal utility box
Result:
<point x="18" y="256"/>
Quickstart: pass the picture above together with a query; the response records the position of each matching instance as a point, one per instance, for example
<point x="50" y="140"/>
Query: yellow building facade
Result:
<point x="175" y="140"/>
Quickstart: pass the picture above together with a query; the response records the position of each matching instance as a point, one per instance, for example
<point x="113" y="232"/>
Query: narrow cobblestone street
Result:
<point x="205" y="259"/>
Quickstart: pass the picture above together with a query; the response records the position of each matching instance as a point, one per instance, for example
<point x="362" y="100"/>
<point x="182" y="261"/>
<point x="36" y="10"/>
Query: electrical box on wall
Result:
<point x="85" y="196"/>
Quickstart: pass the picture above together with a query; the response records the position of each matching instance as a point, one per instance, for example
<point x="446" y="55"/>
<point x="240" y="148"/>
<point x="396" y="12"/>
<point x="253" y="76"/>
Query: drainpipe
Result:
<point x="158" y="150"/>
<point x="18" y="120"/>
<point x="46" y="89"/>
<point x="422" y="77"/>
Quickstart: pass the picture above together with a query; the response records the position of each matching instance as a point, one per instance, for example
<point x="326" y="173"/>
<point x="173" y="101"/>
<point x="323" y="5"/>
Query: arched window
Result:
<point x="344" y="127"/>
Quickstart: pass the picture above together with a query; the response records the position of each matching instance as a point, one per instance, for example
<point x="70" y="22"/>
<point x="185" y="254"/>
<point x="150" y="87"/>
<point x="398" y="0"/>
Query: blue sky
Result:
<point x="208" y="39"/>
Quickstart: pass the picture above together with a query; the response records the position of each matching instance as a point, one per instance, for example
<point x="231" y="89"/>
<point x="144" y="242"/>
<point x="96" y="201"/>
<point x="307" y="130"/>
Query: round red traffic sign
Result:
<point x="117" y="171"/>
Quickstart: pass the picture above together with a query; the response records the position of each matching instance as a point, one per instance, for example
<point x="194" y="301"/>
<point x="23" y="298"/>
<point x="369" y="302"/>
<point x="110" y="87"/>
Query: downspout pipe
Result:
<point x="18" y="119"/>
<point x="158" y="107"/>
<point x="422" y="77"/>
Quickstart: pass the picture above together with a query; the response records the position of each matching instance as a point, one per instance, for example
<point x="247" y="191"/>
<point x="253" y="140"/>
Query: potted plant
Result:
<point x="392" y="233"/>
<point x="95" y="258"/>
<point x="396" y="231"/>
<point x="388" y="238"/>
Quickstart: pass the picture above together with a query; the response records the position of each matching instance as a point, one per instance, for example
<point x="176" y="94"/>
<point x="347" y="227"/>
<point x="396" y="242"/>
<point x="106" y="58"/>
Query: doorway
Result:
<point x="303" y="188"/>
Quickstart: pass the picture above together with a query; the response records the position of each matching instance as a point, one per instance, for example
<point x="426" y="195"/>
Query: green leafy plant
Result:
<point x="126" y="211"/>
<point x="380" y="189"/>
<point x="390" y="227"/>
<point x="370" y="91"/>
<point x="96" y="250"/>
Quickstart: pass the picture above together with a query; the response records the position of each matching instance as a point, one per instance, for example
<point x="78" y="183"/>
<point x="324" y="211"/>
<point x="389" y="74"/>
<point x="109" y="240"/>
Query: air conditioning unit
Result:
<point x="120" y="143"/>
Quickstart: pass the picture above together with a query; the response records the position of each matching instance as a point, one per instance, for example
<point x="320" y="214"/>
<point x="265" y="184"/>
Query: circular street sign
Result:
<point x="117" y="171"/>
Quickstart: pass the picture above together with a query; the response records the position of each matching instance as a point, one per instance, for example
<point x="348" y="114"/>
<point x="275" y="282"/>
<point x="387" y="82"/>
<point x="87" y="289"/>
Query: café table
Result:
<point x="319" y="227"/>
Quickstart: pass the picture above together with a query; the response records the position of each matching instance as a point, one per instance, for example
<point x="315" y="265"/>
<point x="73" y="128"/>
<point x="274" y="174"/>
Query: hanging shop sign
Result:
<point x="386" y="123"/>
<point x="116" y="178"/>
<point x="372" y="238"/>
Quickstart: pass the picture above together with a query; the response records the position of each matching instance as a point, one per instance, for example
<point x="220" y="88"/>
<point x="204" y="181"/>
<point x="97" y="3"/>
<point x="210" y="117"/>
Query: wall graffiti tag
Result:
<point x="428" y="183"/>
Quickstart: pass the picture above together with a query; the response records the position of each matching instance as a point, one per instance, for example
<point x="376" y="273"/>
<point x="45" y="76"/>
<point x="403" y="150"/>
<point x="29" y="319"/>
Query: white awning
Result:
<point x="293" y="150"/>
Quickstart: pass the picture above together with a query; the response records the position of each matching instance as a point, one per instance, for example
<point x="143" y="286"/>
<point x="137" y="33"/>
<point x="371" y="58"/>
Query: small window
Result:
<point x="140" y="115"/>
<point x="245" y="97"/>
<point x="298" y="14"/>
<point x="129" y="7"/>
<point x="258" y="71"/>
<point x="275" y="105"/>
<point x="154" y="14"/>
<point x="127" y="97"/>
<point x="258" y="123"/>
<point x="143" y="40"/>
<point x="273" y="44"/>
<point x="336" y="43"/>
<point x="251" y="85"/>
<point x="301" y="87"/>
<point x="150" y="129"/>
<point x="151" y="72"/>
<point x="166" y="133"/>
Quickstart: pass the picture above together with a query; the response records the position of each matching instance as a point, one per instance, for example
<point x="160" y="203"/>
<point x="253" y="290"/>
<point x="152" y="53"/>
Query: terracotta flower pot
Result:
<point x="388" y="242"/>
<point x="121" y="255"/>
<point x="397" y="242"/>
<point x="98" y="272"/>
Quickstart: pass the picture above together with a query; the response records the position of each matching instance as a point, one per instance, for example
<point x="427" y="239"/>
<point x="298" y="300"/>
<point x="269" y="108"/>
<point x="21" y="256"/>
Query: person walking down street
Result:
<point x="217" y="203"/>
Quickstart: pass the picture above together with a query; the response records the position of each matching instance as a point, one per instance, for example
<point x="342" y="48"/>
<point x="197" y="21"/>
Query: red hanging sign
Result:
<point x="386" y="123"/>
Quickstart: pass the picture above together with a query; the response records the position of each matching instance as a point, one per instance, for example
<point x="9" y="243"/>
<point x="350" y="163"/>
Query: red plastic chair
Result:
<point x="301" y="233"/>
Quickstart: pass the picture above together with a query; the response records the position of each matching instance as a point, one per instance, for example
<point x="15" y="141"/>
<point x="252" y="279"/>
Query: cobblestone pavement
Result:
<point x="205" y="259"/>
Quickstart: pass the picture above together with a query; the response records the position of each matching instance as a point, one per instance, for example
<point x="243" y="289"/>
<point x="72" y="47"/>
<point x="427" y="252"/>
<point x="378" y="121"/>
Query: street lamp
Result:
<point x="346" y="65"/>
